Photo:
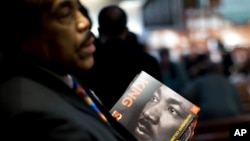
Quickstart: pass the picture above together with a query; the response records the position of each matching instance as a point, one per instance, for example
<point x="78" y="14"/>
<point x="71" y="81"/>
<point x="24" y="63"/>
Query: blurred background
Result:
<point x="183" y="24"/>
<point x="194" y="31"/>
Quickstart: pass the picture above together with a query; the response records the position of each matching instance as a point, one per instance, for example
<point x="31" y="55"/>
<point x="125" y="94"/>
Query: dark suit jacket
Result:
<point x="37" y="106"/>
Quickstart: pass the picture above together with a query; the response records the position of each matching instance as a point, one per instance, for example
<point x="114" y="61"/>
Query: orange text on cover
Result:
<point x="117" y="115"/>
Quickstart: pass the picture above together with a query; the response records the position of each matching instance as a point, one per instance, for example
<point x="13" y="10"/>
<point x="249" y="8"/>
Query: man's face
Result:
<point x="160" y="117"/>
<point x="64" y="42"/>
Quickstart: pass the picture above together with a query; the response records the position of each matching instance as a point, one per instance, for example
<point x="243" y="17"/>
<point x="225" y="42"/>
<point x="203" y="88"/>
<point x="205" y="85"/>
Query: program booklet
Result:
<point x="152" y="111"/>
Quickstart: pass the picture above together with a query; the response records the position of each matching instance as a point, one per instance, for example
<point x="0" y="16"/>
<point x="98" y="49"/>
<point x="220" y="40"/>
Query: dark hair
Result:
<point x="20" y="19"/>
<point x="112" y="20"/>
<point x="163" y="52"/>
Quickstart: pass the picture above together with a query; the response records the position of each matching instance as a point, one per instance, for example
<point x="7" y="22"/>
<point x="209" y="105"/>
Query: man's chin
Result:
<point x="86" y="63"/>
<point x="142" y="136"/>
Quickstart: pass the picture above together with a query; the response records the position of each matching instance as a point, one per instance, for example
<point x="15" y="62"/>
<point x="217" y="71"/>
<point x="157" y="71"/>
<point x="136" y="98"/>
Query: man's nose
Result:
<point x="153" y="114"/>
<point x="82" y="23"/>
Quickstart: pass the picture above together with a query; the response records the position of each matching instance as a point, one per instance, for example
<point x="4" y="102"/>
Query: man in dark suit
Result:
<point x="48" y="41"/>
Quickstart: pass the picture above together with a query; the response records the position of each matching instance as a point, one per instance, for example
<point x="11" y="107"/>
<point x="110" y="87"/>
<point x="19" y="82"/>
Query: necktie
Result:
<point x="81" y="92"/>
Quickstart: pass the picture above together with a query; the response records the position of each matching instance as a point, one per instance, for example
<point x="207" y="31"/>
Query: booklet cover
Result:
<point x="151" y="111"/>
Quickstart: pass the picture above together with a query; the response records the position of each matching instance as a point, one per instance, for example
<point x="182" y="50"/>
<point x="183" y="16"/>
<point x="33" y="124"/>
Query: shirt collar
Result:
<point x="67" y="79"/>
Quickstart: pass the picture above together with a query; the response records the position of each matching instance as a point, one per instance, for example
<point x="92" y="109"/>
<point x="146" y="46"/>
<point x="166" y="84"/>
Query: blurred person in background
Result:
<point x="212" y="92"/>
<point x="119" y="57"/>
<point x="173" y="73"/>
<point x="227" y="61"/>
<point x="240" y="77"/>
<point x="240" y="71"/>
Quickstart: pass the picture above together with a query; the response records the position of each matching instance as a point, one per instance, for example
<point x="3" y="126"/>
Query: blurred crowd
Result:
<point x="220" y="88"/>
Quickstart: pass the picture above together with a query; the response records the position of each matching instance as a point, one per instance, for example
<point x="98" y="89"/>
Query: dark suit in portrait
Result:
<point x="35" y="105"/>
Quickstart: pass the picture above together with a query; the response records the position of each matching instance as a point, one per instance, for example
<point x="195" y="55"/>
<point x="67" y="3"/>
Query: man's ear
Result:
<point x="25" y="42"/>
<point x="124" y="34"/>
<point x="126" y="31"/>
<point x="19" y="41"/>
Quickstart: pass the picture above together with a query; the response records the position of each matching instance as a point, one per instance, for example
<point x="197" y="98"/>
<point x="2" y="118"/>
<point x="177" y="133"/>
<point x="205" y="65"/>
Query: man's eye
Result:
<point x="172" y="110"/>
<point x="154" y="99"/>
<point x="65" y="12"/>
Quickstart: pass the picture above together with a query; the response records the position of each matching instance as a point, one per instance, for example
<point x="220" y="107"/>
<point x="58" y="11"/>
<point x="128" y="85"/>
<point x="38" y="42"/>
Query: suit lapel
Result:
<point x="60" y="87"/>
<point x="69" y="95"/>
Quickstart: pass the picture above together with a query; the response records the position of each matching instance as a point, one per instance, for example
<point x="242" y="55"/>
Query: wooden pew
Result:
<point x="218" y="130"/>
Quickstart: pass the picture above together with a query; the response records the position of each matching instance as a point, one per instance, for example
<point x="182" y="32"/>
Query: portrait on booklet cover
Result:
<point x="153" y="112"/>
